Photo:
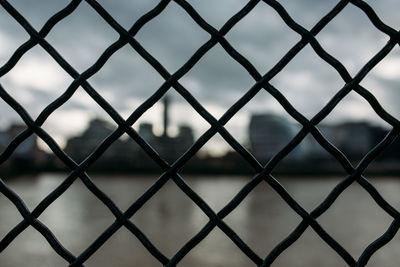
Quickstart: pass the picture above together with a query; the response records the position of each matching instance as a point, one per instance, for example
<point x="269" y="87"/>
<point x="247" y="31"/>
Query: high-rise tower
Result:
<point x="165" y="115"/>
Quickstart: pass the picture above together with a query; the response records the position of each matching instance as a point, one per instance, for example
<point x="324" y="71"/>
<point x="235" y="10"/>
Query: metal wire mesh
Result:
<point x="171" y="172"/>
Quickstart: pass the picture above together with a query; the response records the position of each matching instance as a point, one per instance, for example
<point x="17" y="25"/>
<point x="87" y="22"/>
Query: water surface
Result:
<point x="170" y="219"/>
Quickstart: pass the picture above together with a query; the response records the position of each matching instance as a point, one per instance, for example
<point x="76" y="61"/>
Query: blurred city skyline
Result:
<point x="267" y="135"/>
<point x="217" y="81"/>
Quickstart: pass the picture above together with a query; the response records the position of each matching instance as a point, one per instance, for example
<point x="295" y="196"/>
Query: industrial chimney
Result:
<point x="165" y="115"/>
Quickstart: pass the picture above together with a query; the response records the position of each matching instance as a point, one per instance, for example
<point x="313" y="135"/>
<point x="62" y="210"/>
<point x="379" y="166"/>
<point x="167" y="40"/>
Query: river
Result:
<point x="170" y="219"/>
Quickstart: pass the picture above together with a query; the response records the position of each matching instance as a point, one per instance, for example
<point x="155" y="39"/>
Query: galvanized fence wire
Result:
<point x="171" y="172"/>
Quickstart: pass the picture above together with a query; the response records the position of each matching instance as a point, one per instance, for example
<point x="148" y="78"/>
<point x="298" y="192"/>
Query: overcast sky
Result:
<point x="217" y="81"/>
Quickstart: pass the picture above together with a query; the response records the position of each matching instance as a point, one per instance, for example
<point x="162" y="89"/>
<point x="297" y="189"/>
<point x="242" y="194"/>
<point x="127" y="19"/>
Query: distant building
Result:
<point x="185" y="137"/>
<point x="312" y="150"/>
<point x="27" y="154"/>
<point x="355" y="139"/>
<point x="268" y="134"/>
<point x="4" y="140"/>
<point x="28" y="149"/>
<point x="168" y="147"/>
<point x="146" y="131"/>
<point x="80" y="147"/>
<point x="127" y="151"/>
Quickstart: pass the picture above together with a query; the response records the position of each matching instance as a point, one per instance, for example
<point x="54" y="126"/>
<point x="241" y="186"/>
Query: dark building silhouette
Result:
<point x="27" y="154"/>
<point x="80" y="147"/>
<point x="354" y="138"/>
<point x="169" y="147"/>
<point x="165" y="115"/>
<point x="126" y="153"/>
<point x="268" y="134"/>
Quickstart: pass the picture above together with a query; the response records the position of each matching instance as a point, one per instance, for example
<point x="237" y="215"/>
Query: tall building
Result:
<point x="146" y="131"/>
<point x="268" y="134"/>
<point x="127" y="151"/>
<point x="168" y="147"/>
<point x="354" y="138"/>
<point x="165" y="115"/>
<point x="80" y="147"/>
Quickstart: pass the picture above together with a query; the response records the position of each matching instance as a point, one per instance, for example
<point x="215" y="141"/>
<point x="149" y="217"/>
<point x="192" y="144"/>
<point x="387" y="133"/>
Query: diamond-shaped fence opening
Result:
<point x="369" y="39"/>
<point x="368" y="216"/>
<point x="164" y="38"/>
<point x="83" y="44"/>
<point x="359" y="141"/>
<point x="123" y="73"/>
<point x="163" y="41"/>
<point x="158" y="217"/>
<point x="63" y="217"/>
<point x="300" y="78"/>
<point x="270" y="229"/>
<point x="215" y="74"/>
<point x="37" y="78"/>
<point x="254" y="37"/>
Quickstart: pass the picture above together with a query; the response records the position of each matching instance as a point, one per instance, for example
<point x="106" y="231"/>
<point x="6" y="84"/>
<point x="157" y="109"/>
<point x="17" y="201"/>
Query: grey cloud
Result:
<point x="216" y="80"/>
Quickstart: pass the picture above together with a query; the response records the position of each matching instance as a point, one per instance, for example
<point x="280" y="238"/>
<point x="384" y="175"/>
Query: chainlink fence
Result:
<point x="171" y="172"/>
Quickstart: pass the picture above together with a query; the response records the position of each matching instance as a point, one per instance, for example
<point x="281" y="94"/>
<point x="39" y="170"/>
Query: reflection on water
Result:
<point x="170" y="219"/>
